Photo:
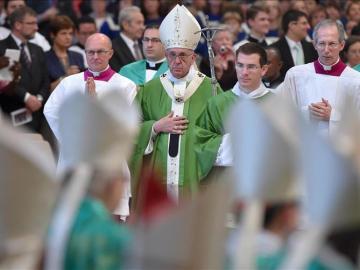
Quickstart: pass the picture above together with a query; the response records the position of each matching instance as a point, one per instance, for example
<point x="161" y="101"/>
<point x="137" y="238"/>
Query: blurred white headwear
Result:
<point x="27" y="196"/>
<point x="263" y="155"/>
<point x="332" y="195"/>
<point x="97" y="131"/>
<point x="178" y="28"/>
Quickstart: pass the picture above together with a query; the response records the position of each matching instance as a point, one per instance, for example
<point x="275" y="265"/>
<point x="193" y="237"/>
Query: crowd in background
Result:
<point x="63" y="27"/>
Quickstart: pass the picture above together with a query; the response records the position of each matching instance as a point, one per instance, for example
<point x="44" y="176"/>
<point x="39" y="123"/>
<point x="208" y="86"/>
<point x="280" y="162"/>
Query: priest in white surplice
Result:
<point x="98" y="79"/>
<point x="318" y="89"/>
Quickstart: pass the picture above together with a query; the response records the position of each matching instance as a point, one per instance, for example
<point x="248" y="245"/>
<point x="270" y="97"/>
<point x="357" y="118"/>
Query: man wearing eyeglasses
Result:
<point x="154" y="63"/>
<point x="318" y="89"/>
<point x="32" y="88"/>
<point x="294" y="48"/>
<point x="98" y="79"/>
<point x="170" y="104"/>
<point x="212" y="145"/>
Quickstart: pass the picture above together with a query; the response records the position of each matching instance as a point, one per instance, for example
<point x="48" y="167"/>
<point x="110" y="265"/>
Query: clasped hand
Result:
<point x="171" y="124"/>
<point x="321" y="110"/>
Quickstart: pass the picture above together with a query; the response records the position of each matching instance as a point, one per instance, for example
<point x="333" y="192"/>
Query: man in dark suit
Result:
<point x="294" y="49"/>
<point x="32" y="89"/>
<point x="127" y="47"/>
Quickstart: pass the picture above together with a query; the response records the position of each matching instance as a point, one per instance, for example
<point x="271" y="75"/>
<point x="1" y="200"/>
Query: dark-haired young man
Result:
<point x="294" y="49"/>
<point x="258" y="20"/>
<point x="154" y="63"/>
<point x="85" y="27"/>
<point x="212" y="145"/>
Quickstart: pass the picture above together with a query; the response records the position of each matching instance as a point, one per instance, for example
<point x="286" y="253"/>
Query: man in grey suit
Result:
<point x="127" y="46"/>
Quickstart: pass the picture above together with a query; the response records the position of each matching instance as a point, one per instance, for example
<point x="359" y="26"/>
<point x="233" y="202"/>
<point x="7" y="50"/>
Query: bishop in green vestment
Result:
<point x="212" y="144"/>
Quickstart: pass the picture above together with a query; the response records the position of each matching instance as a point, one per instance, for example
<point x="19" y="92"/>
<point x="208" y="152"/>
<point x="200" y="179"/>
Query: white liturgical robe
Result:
<point x="105" y="81"/>
<point x="309" y="83"/>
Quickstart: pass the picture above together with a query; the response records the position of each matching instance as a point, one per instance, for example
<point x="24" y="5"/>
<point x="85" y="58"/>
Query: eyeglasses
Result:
<point x="99" y="52"/>
<point x="249" y="67"/>
<point x="153" y="40"/>
<point x="182" y="56"/>
<point x="331" y="45"/>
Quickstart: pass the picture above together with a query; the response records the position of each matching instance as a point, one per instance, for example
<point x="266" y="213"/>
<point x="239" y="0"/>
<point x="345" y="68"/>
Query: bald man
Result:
<point x="98" y="79"/>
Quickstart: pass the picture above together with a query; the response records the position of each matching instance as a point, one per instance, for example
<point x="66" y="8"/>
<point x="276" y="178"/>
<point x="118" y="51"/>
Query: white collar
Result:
<point x="97" y="73"/>
<point x="189" y="77"/>
<point x="153" y="63"/>
<point x="127" y="40"/>
<point x="260" y="39"/>
<point x="259" y="92"/>
<point x="329" y="67"/>
<point x="292" y="43"/>
<point x="17" y="40"/>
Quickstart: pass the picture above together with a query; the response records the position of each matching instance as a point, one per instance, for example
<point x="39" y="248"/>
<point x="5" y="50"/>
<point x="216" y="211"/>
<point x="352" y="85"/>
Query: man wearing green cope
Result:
<point x="170" y="105"/>
<point x="212" y="143"/>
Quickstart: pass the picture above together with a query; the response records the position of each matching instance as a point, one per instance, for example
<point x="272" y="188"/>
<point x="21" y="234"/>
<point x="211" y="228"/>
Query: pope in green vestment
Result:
<point x="155" y="103"/>
<point x="209" y="128"/>
<point x="137" y="71"/>
<point x="96" y="240"/>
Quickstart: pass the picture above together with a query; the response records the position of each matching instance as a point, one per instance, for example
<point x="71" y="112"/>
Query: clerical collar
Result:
<point x="154" y="65"/>
<point x="104" y="75"/>
<point x="333" y="70"/>
<point x="187" y="78"/>
<point x="260" y="41"/>
<point x="259" y="92"/>
<point x="80" y="45"/>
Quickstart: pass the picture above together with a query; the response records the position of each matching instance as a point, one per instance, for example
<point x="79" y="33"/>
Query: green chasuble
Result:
<point x="96" y="240"/>
<point x="155" y="103"/>
<point x="209" y="128"/>
<point x="137" y="71"/>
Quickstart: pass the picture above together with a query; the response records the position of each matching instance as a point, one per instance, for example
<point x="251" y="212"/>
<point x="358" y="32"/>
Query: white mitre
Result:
<point x="178" y="29"/>
<point x="103" y="134"/>
<point x="27" y="196"/>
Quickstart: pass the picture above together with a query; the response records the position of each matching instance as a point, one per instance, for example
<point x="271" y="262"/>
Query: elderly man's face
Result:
<point x="328" y="45"/>
<point x="134" y="28"/>
<point x="98" y="52"/>
<point x="180" y="60"/>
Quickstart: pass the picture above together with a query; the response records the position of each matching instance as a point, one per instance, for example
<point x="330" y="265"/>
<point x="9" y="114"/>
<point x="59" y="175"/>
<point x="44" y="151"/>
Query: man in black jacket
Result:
<point x="127" y="46"/>
<point x="32" y="89"/>
<point x="294" y="49"/>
